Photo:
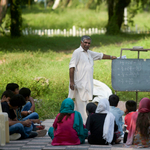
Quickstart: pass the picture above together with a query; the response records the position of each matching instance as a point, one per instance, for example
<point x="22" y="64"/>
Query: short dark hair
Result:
<point x="17" y="100"/>
<point x="12" y="86"/>
<point x="130" y="105"/>
<point x="7" y="93"/>
<point x="25" y="92"/>
<point x="113" y="100"/>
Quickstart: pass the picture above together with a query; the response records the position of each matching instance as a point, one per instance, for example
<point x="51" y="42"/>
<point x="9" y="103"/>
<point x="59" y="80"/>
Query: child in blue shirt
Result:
<point x="113" y="101"/>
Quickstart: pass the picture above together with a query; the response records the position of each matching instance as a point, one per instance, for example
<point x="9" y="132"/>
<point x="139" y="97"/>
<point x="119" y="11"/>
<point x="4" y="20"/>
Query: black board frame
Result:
<point x="138" y="49"/>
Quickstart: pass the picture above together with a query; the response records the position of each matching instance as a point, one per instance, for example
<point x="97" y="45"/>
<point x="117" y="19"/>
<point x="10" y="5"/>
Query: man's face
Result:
<point x="16" y="91"/>
<point x="86" y="44"/>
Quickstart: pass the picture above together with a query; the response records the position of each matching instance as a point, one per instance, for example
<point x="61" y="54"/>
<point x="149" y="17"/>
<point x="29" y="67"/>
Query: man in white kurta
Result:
<point x="81" y="75"/>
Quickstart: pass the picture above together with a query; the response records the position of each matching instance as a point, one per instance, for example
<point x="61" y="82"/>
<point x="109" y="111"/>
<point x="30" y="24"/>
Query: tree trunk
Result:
<point x="116" y="15"/>
<point x="110" y="8"/>
<point x="56" y="3"/>
<point x="16" y="19"/>
<point x="65" y="3"/>
<point x="89" y="3"/>
<point x="3" y="9"/>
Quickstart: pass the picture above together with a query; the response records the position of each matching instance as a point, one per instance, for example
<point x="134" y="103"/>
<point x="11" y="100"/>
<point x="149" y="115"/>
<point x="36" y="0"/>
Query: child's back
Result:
<point x="102" y="125"/>
<point x="113" y="101"/>
<point x="68" y="126"/>
<point x="90" y="109"/>
<point x="65" y="133"/>
<point x="130" y="109"/>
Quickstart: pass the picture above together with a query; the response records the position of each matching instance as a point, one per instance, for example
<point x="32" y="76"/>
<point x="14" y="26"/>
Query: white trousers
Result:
<point x="80" y="106"/>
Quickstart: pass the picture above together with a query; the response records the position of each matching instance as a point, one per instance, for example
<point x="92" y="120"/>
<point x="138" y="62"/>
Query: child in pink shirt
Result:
<point x="68" y="126"/>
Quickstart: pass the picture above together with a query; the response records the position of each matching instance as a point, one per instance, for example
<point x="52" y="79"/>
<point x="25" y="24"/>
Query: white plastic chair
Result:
<point x="4" y="127"/>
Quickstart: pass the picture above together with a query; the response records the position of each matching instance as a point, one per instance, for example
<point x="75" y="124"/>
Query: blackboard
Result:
<point x="130" y="74"/>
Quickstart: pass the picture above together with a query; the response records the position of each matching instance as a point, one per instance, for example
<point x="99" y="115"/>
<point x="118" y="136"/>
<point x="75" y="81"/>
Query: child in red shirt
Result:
<point x="130" y="109"/>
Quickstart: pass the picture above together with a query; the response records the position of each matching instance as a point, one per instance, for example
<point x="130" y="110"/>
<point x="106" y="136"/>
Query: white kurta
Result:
<point x="83" y="75"/>
<point x="83" y="78"/>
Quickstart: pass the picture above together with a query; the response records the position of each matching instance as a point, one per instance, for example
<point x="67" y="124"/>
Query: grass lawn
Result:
<point x="40" y="18"/>
<point x="41" y="63"/>
<point x="64" y="18"/>
<point x="23" y="60"/>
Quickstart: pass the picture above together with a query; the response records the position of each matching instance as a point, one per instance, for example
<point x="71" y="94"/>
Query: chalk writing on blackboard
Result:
<point x="131" y="74"/>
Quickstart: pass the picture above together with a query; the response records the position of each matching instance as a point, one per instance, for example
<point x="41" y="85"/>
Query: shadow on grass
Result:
<point x="59" y="43"/>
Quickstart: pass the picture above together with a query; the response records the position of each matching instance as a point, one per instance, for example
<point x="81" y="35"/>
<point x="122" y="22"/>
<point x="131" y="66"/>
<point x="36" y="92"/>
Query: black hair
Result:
<point x="17" y="100"/>
<point x="25" y="92"/>
<point x="113" y="100"/>
<point x="131" y="105"/>
<point x="62" y="115"/>
<point x="12" y="86"/>
<point x="91" y="107"/>
<point x="8" y="93"/>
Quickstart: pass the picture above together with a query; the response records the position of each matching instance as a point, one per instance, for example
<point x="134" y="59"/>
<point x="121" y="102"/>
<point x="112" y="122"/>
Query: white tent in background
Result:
<point x="100" y="90"/>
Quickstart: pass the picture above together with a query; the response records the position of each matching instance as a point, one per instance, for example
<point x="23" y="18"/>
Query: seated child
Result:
<point x="113" y="101"/>
<point x="68" y="126"/>
<point x="102" y="125"/>
<point x="14" y="87"/>
<point x="28" y="110"/>
<point x="29" y="107"/>
<point x="139" y="131"/>
<point x="90" y="109"/>
<point x="24" y="128"/>
<point x="6" y="96"/>
<point x="130" y="109"/>
<point x="18" y="103"/>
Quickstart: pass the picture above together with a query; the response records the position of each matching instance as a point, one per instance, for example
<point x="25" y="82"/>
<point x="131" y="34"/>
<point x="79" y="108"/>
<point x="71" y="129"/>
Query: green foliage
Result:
<point x="6" y="22"/>
<point x="25" y="2"/>
<point x="50" y="3"/>
<point x="144" y="4"/>
<point x="133" y="9"/>
<point x="93" y="4"/>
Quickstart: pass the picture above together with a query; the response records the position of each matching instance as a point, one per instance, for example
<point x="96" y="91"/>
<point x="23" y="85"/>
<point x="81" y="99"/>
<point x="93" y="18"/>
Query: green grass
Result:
<point x="40" y="18"/>
<point x="142" y="20"/>
<point x="64" y="18"/>
<point x="24" y="59"/>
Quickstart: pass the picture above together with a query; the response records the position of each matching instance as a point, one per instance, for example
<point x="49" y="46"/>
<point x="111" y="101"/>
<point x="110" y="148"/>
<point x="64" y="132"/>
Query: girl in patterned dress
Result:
<point x="139" y="133"/>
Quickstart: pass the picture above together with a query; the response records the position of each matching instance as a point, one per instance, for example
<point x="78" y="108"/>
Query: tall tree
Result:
<point x="3" y="9"/>
<point x="116" y="15"/>
<point x="16" y="19"/>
